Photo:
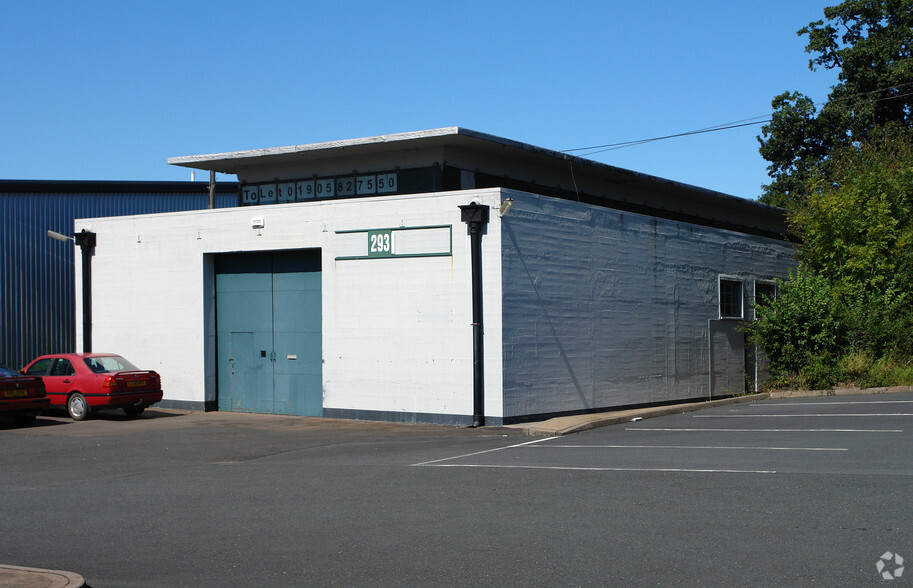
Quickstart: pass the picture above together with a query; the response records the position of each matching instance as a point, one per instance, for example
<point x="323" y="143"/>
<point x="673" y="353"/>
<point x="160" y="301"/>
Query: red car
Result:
<point x="84" y="382"/>
<point x="21" y="397"/>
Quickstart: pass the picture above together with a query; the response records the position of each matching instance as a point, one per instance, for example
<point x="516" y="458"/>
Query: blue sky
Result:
<point x="109" y="90"/>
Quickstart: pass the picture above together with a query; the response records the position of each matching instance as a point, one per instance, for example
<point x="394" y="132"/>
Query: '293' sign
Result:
<point x="380" y="243"/>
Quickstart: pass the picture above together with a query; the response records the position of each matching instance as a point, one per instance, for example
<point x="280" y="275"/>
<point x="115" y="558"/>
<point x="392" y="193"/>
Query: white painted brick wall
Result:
<point x="396" y="332"/>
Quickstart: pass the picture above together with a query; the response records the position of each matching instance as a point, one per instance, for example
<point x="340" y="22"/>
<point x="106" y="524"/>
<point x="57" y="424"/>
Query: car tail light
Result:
<point x="109" y="382"/>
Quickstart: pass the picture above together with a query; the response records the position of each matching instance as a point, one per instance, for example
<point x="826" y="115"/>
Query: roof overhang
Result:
<point x="496" y="156"/>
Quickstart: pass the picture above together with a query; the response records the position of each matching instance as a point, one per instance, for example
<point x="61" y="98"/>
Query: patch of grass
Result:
<point x="855" y="365"/>
<point x="886" y="373"/>
<point x="854" y="369"/>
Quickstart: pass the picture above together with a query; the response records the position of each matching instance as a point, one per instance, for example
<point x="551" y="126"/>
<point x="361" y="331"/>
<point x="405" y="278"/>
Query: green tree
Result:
<point x="846" y="314"/>
<point x="856" y="229"/>
<point x="870" y="42"/>
<point x="855" y="224"/>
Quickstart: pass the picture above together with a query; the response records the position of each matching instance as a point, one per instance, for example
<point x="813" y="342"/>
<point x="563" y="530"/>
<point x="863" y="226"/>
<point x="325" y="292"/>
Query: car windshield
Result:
<point x="7" y="373"/>
<point x="109" y="363"/>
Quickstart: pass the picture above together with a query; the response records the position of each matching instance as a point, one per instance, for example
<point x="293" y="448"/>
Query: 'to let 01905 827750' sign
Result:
<point x="316" y="188"/>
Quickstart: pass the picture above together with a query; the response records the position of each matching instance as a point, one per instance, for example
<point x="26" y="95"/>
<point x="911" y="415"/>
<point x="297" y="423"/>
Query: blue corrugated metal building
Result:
<point x="37" y="297"/>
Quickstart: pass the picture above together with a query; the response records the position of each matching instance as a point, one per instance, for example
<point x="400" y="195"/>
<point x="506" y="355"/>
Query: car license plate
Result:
<point x="15" y="393"/>
<point x="136" y="383"/>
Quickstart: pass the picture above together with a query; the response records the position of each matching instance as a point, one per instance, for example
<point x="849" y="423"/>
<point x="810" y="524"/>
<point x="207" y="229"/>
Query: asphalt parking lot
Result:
<point x="812" y="491"/>
<point x="861" y="436"/>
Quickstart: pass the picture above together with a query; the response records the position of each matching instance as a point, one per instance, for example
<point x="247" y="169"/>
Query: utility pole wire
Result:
<point x="734" y="125"/>
<point x="612" y="146"/>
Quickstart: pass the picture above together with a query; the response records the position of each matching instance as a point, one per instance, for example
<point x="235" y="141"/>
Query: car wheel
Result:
<point x="78" y="407"/>
<point x="133" y="410"/>
<point x="25" y="419"/>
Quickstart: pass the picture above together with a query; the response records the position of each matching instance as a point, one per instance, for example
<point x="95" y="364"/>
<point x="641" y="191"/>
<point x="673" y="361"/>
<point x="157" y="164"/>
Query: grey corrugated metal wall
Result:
<point x="37" y="300"/>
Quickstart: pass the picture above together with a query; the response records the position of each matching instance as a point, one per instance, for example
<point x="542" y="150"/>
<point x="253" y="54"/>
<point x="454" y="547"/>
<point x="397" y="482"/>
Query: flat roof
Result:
<point x="497" y="157"/>
<point x="229" y="161"/>
<point x="112" y="186"/>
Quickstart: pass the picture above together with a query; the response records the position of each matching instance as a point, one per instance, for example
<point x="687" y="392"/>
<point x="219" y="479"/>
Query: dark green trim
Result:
<point x="396" y="229"/>
<point x="404" y="256"/>
<point x="207" y="406"/>
<point x="463" y="420"/>
<point x="391" y="230"/>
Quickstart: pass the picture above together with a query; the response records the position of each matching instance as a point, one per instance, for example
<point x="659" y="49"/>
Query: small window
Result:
<point x="40" y="367"/>
<point x="730" y="299"/>
<point x="109" y="363"/>
<point x="63" y="367"/>
<point x="764" y="291"/>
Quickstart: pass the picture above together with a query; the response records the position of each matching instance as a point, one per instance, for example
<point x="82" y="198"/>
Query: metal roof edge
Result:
<point x="198" y="161"/>
<point x="611" y="168"/>
<point x="130" y="186"/>
<point x="188" y="160"/>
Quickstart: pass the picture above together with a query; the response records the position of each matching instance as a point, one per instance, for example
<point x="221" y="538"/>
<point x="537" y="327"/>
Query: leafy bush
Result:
<point x="855" y="365"/>
<point x="846" y="314"/>
<point x="846" y="173"/>
<point x="886" y="372"/>
<point x="801" y="324"/>
<point x="819" y="372"/>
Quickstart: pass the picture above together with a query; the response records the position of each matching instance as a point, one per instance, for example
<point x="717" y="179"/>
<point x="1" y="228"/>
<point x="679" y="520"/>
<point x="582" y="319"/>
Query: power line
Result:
<point x="860" y="94"/>
<point x="758" y="120"/>
<point x="613" y="146"/>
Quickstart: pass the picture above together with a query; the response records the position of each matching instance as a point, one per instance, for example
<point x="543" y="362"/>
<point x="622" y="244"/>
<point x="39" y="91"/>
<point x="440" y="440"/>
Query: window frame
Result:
<point x="35" y="370"/>
<point x="767" y="283"/>
<point x="723" y="302"/>
<point x="755" y="295"/>
<point x="62" y="362"/>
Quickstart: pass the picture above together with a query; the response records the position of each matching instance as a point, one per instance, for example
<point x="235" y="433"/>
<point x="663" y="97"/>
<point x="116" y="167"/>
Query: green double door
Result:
<point x="268" y="315"/>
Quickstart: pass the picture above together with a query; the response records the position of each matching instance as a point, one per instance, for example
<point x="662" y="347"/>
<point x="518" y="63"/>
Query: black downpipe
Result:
<point x="476" y="216"/>
<point x="86" y="241"/>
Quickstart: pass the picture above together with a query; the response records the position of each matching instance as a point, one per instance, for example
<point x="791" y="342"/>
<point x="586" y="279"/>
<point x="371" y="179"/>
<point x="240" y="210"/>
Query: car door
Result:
<point x="60" y="380"/>
<point x="39" y="369"/>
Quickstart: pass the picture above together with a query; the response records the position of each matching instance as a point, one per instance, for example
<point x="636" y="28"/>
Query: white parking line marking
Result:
<point x="843" y="402"/>
<point x="691" y="447"/>
<point x="434" y="461"/>
<point x="755" y="416"/>
<point x="774" y="430"/>
<point x="597" y="469"/>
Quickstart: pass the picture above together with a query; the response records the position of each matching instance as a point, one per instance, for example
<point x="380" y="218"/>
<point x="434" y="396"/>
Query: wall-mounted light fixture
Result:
<point x="506" y="206"/>
<point x="257" y="224"/>
<point x="86" y="242"/>
<point x="60" y="236"/>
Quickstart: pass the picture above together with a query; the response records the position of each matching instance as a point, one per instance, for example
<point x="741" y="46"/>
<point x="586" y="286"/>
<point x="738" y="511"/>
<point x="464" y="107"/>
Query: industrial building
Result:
<point x="37" y="312"/>
<point x="444" y="276"/>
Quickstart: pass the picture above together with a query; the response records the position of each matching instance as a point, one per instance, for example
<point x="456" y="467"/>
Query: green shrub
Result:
<point x="820" y="372"/>
<point x="801" y="324"/>
<point x="846" y="314"/>
<point x="887" y="372"/>
<point x="855" y="365"/>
